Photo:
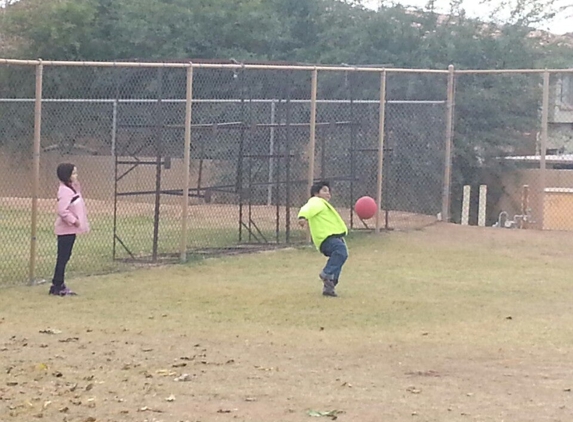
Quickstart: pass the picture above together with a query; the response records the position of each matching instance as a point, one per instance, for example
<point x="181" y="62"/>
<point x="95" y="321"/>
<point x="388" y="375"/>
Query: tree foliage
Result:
<point x="492" y="113"/>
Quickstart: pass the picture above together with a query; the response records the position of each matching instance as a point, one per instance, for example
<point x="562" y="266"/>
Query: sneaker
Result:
<point x="328" y="289"/>
<point x="62" y="291"/>
<point x="323" y="279"/>
<point x="67" y="292"/>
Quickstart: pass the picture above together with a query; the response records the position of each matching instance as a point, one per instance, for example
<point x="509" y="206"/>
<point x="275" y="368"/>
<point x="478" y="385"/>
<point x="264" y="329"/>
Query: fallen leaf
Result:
<point x="413" y="390"/>
<point x="183" y="378"/>
<point x="171" y="398"/>
<point x="50" y="331"/>
<point x="332" y="414"/>
<point x="226" y="410"/>
<point x="149" y="409"/>
<point x="187" y="358"/>
<point x="69" y="340"/>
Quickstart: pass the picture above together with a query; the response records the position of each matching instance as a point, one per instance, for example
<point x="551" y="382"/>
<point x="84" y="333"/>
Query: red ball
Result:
<point x="365" y="207"/>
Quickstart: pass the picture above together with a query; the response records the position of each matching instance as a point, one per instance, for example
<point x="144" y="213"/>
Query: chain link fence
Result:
<point x="16" y="139"/>
<point x="258" y="137"/>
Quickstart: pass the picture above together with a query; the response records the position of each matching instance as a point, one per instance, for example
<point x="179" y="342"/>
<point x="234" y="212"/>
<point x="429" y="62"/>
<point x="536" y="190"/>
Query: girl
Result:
<point x="71" y="220"/>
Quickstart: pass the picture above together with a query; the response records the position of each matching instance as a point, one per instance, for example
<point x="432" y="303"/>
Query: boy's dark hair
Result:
<point x="64" y="172"/>
<point x="318" y="186"/>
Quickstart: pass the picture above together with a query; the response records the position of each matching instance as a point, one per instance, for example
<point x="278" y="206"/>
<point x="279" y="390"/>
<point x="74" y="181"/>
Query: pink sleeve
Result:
<point x="64" y="200"/>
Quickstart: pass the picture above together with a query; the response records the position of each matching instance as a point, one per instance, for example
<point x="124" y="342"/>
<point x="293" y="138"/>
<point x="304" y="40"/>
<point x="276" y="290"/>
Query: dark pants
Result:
<point x="335" y="249"/>
<point x="65" y="246"/>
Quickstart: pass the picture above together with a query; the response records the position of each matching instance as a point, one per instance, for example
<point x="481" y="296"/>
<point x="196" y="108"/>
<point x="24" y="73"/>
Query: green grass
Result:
<point x="93" y="253"/>
<point x="447" y="323"/>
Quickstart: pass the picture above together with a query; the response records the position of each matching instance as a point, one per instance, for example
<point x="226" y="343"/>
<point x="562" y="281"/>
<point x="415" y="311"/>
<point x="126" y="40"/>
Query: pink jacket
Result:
<point x="71" y="208"/>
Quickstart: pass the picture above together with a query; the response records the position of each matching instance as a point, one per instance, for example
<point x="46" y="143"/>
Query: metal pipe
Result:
<point x="186" y="165"/>
<point x="446" y="189"/>
<point x="381" y="133"/>
<point x="36" y="171"/>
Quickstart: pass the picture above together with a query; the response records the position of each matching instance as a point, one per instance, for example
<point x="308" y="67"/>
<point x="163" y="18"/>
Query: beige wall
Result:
<point x="513" y="188"/>
<point x="97" y="176"/>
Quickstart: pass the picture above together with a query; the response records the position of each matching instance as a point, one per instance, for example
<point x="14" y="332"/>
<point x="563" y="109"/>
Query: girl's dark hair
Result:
<point x="318" y="186"/>
<point x="64" y="172"/>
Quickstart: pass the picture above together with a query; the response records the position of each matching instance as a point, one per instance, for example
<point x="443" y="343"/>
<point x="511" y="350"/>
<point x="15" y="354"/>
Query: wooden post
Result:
<point x="466" y="205"/>
<point x="482" y="207"/>
<point x="186" y="165"/>
<point x="449" y="141"/>
<point x="543" y="148"/>
<point x="36" y="172"/>
<point x="523" y="224"/>
<point x="381" y="129"/>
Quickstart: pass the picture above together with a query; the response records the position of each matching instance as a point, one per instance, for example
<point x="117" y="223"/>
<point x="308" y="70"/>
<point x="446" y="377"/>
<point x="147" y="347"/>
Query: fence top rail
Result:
<point x="213" y="100"/>
<point x="511" y="71"/>
<point x="237" y="66"/>
<point x="347" y="68"/>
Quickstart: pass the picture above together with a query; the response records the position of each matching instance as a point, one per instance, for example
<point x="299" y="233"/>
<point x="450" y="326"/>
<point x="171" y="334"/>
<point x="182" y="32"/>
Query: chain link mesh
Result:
<point x="124" y="128"/>
<point x="16" y="135"/>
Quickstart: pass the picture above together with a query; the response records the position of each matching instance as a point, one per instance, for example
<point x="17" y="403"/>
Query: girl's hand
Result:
<point x="77" y="223"/>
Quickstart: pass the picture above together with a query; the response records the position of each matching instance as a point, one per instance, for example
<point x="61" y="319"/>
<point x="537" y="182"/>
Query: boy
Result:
<point x="327" y="230"/>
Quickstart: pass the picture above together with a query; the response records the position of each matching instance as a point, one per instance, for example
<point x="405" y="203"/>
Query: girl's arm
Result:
<point x="65" y="197"/>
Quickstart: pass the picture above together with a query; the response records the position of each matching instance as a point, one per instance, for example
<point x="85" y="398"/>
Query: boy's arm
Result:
<point x="311" y="208"/>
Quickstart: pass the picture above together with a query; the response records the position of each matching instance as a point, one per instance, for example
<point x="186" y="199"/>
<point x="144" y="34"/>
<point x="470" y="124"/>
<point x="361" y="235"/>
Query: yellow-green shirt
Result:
<point x="323" y="220"/>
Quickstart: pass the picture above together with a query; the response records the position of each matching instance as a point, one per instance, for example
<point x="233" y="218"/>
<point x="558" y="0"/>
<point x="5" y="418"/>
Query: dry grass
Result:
<point x="444" y="324"/>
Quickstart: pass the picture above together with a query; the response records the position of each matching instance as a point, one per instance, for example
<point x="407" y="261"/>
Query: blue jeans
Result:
<point x="335" y="249"/>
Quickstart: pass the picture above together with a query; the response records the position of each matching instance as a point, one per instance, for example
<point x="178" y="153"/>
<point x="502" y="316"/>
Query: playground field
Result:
<point x="447" y="323"/>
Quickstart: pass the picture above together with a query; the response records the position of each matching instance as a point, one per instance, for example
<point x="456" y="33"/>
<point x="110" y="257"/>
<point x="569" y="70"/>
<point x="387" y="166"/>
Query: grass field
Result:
<point x="442" y="324"/>
<point x="209" y="226"/>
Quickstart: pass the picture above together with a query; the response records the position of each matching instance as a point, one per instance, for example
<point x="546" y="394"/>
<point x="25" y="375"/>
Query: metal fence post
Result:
<point x="446" y="191"/>
<point x="543" y="146"/>
<point x="381" y="130"/>
<point x="186" y="165"/>
<point x="36" y="172"/>
<point x="312" y="140"/>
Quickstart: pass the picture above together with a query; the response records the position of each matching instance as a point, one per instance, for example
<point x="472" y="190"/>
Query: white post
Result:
<point x="482" y="205"/>
<point x="271" y="152"/>
<point x="466" y="205"/>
